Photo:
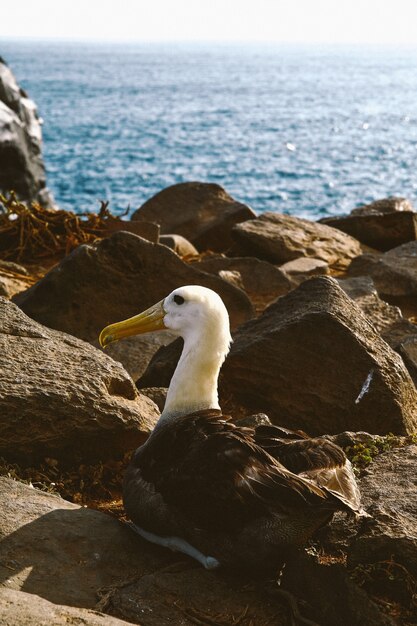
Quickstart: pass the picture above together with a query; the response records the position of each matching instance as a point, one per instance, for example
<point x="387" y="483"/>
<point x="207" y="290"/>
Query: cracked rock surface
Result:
<point x="62" y="398"/>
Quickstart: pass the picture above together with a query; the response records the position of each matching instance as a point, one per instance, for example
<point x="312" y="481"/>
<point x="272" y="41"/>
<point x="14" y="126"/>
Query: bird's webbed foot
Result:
<point x="176" y="544"/>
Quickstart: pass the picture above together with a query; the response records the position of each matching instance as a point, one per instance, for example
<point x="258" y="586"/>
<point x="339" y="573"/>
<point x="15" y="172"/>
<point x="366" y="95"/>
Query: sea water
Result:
<point x="305" y="130"/>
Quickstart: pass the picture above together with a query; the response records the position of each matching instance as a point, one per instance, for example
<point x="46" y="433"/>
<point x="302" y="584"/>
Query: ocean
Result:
<point x="305" y="130"/>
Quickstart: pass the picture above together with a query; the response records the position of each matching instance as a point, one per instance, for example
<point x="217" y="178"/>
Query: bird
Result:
<point x="224" y="494"/>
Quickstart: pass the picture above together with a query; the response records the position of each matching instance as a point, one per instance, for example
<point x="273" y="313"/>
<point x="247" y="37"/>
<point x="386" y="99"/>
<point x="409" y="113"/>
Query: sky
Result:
<point x="321" y="21"/>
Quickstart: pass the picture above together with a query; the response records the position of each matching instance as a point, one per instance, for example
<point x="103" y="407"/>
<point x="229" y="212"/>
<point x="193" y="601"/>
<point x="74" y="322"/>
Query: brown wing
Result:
<point x="317" y="459"/>
<point x="218" y="477"/>
<point x="299" y="453"/>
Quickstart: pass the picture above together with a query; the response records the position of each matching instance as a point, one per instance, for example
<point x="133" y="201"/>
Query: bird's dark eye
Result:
<point x="179" y="299"/>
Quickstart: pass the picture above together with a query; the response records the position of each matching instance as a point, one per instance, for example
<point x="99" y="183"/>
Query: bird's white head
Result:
<point x="199" y="316"/>
<point x="192" y="312"/>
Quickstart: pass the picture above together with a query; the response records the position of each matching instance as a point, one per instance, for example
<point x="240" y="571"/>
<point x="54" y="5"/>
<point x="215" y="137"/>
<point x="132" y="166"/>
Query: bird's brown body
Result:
<point x="245" y="496"/>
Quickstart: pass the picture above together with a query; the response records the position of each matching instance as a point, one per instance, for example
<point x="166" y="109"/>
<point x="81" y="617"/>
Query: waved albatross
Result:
<point x="202" y="485"/>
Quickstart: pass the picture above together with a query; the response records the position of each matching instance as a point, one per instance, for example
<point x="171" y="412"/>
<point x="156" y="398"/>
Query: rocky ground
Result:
<point x="324" y="340"/>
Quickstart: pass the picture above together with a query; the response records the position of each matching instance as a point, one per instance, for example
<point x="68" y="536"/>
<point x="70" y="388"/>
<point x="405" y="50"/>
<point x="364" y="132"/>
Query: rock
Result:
<point x="13" y="279"/>
<point x="407" y="348"/>
<point x="385" y="205"/>
<point x="18" y="608"/>
<point x="114" y="279"/>
<point x="305" y="361"/>
<point x="398" y="332"/>
<point x="65" y="553"/>
<point x="389" y="491"/>
<point x="203" y="213"/>
<point x="231" y="276"/>
<point x="73" y="555"/>
<point x="281" y="238"/>
<point x="387" y="319"/>
<point x="162" y="366"/>
<point x="11" y="285"/>
<point x="382" y="549"/>
<point x="382" y="225"/>
<point x="394" y="273"/>
<point x="332" y="596"/>
<point x="21" y="165"/>
<point x="157" y="395"/>
<point x="194" y="597"/>
<point x="135" y="353"/>
<point x="312" y="361"/>
<point x="147" y="230"/>
<point x="62" y="398"/>
<point x="304" y="267"/>
<point x="262" y="281"/>
<point x="179" y="244"/>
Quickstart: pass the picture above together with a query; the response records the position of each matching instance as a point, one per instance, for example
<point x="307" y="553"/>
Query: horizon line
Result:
<point x="230" y="42"/>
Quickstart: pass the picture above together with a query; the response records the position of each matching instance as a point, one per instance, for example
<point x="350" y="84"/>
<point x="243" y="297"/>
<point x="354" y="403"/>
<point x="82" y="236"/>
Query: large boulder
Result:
<point x="120" y="276"/>
<point x="382" y="225"/>
<point x="201" y="212"/>
<point x="281" y="238"/>
<point x="381" y="550"/>
<point x="62" y="398"/>
<point x="21" y="165"/>
<point x="389" y="492"/>
<point x="394" y="273"/>
<point x="313" y="361"/>
<point x="72" y="555"/>
<point x="66" y="553"/>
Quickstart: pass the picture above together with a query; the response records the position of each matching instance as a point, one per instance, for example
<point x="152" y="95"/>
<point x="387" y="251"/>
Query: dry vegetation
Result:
<point x="31" y="232"/>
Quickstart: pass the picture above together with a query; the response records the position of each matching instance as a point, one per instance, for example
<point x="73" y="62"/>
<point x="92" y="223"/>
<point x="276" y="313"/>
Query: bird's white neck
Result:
<point x="194" y="384"/>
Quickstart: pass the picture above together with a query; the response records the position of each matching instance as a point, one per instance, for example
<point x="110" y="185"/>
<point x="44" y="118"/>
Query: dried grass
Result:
<point x="32" y="232"/>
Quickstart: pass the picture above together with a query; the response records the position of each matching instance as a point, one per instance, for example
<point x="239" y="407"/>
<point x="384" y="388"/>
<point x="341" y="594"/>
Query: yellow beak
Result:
<point x="149" y="320"/>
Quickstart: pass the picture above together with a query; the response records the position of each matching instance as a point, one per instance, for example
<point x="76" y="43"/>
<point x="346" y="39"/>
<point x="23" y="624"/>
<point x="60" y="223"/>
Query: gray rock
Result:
<point x="305" y="266"/>
<point x="394" y="273"/>
<point x="18" y="608"/>
<point x="195" y="596"/>
<point x="398" y="332"/>
<point x="179" y="244"/>
<point x="203" y="213"/>
<point x="333" y="597"/>
<point x="10" y="284"/>
<point x="62" y="398"/>
<point x="382" y="549"/>
<point x="21" y="165"/>
<point x="119" y="277"/>
<point x="382" y="225"/>
<point x="386" y="318"/>
<point x="313" y="361"/>
<point x="389" y="492"/>
<point x="135" y="353"/>
<point x="74" y="556"/>
<point x="262" y="281"/>
<point x="65" y="553"/>
<point x="384" y="205"/>
<point x="282" y="238"/>
<point x="157" y="395"/>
